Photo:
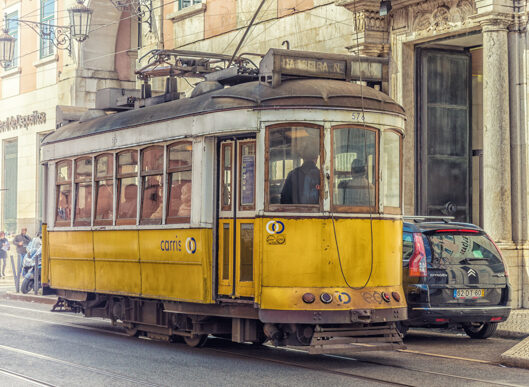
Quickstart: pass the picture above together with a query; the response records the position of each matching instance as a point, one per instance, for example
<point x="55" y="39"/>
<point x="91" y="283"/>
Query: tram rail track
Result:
<point x="237" y="353"/>
<point x="24" y="378"/>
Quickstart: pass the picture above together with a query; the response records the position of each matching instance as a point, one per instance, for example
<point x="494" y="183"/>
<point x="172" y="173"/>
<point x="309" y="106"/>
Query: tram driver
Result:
<point x="302" y="185"/>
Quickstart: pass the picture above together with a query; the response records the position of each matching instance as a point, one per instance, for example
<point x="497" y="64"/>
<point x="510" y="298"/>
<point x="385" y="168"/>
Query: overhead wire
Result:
<point x="367" y="179"/>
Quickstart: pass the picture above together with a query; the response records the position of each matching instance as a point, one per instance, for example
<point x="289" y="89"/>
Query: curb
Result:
<point x="50" y="300"/>
<point x="517" y="356"/>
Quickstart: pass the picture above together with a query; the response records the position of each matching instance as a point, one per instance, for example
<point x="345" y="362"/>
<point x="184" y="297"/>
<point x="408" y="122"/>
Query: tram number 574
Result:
<point x="358" y="117"/>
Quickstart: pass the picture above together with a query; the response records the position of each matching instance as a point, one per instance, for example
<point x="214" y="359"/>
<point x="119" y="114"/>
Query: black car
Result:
<point x="454" y="276"/>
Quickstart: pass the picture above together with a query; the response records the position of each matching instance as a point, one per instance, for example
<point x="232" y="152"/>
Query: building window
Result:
<point x="47" y="13"/>
<point x="83" y="192"/>
<point x="63" y="180"/>
<point x="152" y="183"/>
<point x="294" y="168"/>
<point x="127" y="179"/>
<point x="104" y="182"/>
<point x="354" y="169"/>
<point x="12" y="29"/>
<point x="179" y="182"/>
<point x="187" y="3"/>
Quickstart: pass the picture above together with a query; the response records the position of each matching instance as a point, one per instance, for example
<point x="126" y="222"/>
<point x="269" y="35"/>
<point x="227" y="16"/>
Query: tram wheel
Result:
<point x="133" y="332"/>
<point x="196" y="340"/>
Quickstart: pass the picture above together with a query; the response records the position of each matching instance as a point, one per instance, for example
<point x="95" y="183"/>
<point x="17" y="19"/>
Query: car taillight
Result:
<point x="417" y="265"/>
<point x="501" y="256"/>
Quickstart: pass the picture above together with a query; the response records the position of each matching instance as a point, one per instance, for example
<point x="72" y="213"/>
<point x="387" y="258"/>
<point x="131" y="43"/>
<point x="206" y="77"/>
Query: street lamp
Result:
<point x="385" y="7"/>
<point x="80" y="16"/>
<point x="59" y="36"/>
<point x="7" y="47"/>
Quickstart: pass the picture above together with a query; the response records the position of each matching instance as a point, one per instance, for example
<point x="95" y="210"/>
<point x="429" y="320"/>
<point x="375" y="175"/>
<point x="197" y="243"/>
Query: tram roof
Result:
<point x="294" y="93"/>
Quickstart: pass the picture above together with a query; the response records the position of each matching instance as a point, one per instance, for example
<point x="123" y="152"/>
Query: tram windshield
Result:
<point x="354" y="167"/>
<point x="294" y="166"/>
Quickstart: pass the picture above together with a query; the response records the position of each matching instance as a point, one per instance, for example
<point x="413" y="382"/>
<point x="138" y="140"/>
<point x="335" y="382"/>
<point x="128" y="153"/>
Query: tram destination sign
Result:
<point x="277" y="63"/>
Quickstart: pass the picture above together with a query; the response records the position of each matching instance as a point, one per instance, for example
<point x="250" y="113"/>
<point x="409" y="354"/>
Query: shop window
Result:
<point x="83" y="192"/>
<point x="152" y="183"/>
<point x="104" y="172"/>
<point x="391" y="169"/>
<point x="354" y="180"/>
<point x="127" y="181"/>
<point x="63" y="213"/>
<point x="47" y="13"/>
<point x="179" y="182"/>
<point x="294" y="168"/>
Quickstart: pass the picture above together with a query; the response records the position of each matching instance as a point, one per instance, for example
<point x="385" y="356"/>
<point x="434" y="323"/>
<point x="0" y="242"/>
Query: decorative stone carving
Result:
<point x="440" y="15"/>
<point x="369" y="21"/>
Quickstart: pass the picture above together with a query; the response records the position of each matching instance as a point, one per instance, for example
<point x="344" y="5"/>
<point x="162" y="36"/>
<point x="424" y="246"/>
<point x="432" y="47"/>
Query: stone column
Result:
<point x="496" y="130"/>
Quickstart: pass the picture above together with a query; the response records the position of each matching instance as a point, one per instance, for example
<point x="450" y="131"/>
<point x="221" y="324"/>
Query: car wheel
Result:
<point x="480" y="330"/>
<point x="27" y="285"/>
<point x="402" y="329"/>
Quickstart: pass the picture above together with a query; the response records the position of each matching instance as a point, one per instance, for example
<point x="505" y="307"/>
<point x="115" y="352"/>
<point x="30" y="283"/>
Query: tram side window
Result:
<point x="392" y="170"/>
<point x="127" y="179"/>
<point x="83" y="192"/>
<point x="354" y="169"/>
<point x="152" y="183"/>
<point x="104" y="172"/>
<point x="63" y="213"/>
<point x="179" y="182"/>
<point x="294" y="165"/>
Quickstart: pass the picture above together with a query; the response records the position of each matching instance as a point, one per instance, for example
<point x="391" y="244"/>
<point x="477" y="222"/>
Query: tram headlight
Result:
<point x="396" y="296"/>
<point x="308" y="298"/>
<point x="326" y="298"/>
<point x="385" y="296"/>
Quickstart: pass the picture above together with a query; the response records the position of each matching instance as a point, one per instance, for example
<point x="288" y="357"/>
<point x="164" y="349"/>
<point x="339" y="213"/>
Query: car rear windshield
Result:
<point x="462" y="248"/>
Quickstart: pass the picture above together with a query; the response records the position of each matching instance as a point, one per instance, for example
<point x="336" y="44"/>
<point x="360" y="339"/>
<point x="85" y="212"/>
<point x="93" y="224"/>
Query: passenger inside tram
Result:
<point x="302" y="185"/>
<point x="357" y="191"/>
<point x="127" y="209"/>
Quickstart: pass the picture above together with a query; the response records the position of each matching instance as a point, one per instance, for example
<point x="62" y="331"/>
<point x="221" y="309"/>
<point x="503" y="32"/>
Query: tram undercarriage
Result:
<point x="240" y="323"/>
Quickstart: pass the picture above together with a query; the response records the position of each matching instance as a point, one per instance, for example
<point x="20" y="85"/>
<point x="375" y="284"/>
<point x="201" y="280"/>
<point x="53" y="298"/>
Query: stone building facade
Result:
<point x="45" y="86"/>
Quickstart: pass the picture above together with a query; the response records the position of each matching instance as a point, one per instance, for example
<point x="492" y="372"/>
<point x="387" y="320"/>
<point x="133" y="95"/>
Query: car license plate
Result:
<point x="468" y="293"/>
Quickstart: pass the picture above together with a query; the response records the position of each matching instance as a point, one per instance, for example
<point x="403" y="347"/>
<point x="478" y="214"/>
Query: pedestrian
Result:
<point x="21" y="241"/>
<point x="4" y="247"/>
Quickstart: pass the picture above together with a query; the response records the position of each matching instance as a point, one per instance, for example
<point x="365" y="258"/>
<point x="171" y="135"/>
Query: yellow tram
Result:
<point x="267" y="210"/>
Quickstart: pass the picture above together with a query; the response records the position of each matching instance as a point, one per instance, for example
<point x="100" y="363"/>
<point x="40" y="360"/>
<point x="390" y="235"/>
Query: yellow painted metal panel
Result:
<point x="176" y="264"/>
<point x="71" y="260"/>
<point x="45" y="259"/>
<point x="244" y="288"/>
<point x="303" y="252"/>
<point x="117" y="260"/>
<point x="342" y="298"/>
<point x="225" y="244"/>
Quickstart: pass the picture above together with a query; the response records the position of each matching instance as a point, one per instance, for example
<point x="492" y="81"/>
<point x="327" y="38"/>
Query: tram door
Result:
<point x="236" y="218"/>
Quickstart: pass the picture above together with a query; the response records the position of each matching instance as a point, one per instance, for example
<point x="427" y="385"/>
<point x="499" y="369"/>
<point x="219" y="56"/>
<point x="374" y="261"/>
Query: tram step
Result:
<point x="346" y="340"/>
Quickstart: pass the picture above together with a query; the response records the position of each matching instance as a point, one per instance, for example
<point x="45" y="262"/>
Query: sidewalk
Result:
<point x="516" y="327"/>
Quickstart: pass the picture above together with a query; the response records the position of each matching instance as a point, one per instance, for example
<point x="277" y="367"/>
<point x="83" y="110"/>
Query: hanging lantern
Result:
<point x="7" y="48"/>
<point x="80" y="16"/>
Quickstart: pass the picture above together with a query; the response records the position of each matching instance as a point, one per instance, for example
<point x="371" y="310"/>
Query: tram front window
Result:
<point x="354" y="167"/>
<point x="294" y="166"/>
